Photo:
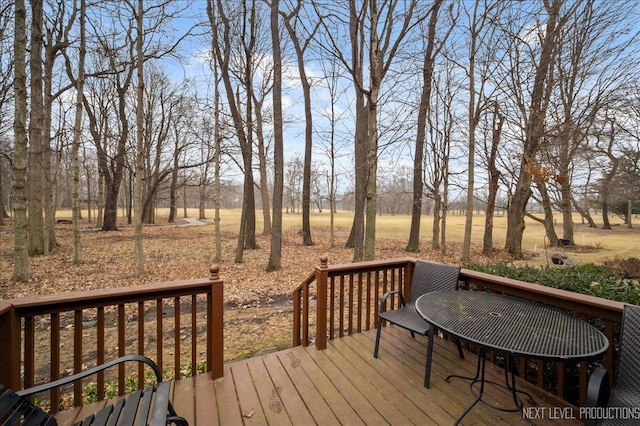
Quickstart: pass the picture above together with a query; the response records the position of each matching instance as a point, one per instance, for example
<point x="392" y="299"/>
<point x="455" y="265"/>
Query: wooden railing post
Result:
<point x="10" y="337"/>
<point x="322" y="276"/>
<point x="215" y="337"/>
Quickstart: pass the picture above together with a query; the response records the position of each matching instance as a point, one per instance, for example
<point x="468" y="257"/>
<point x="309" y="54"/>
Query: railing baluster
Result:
<point x="609" y="358"/>
<point x="159" y="332"/>
<point x="140" y="343"/>
<point x="77" y="356"/>
<point x="350" y="310"/>
<point x="176" y="353"/>
<point x="560" y="379"/>
<point x="297" y="316"/>
<point x="194" y="333"/>
<point x="332" y="308"/>
<point x="121" y="343"/>
<point x="368" y="304"/>
<point x="54" y="395"/>
<point x="29" y="350"/>
<point x="359" y="307"/>
<point x="540" y="373"/>
<point x="376" y="304"/>
<point x="385" y="288"/>
<point x="341" y="332"/>
<point x="100" y="324"/>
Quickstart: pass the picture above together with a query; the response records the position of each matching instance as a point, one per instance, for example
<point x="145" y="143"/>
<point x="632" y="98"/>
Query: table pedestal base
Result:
<point x="480" y="378"/>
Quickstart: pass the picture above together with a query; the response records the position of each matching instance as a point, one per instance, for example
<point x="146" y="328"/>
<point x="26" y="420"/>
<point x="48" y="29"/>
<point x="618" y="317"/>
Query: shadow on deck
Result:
<point x="345" y="385"/>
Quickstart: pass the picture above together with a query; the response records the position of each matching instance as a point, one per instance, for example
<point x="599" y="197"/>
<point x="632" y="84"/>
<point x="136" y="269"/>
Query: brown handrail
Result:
<point x="22" y="322"/>
<point x="348" y="297"/>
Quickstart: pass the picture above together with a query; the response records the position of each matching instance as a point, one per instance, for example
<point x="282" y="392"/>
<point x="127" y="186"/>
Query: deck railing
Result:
<point x="347" y="298"/>
<point x="45" y="338"/>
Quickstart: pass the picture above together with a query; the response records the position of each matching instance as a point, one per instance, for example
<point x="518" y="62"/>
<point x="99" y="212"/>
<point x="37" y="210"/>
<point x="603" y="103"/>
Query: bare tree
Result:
<point x="497" y="122"/>
<point x="332" y="145"/>
<point x="217" y="153"/>
<point x="430" y="53"/>
<point x="138" y="250"/>
<point x="377" y="32"/>
<point x="275" y="255"/>
<point x="441" y="126"/>
<point x="21" y="266"/>
<point x="301" y="38"/>
<point x="595" y="36"/>
<point x="77" y="135"/>
<point x="263" y="116"/>
<point x="105" y="102"/>
<point x="7" y="20"/>
<point x="482" y="47"/>
<point x="534" y="130"/>
<point x="35" y="171"/>
<point x="224" y="33"/>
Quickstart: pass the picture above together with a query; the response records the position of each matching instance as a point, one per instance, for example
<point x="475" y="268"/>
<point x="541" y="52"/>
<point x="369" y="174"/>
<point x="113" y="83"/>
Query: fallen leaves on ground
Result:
<point x="258" y="307"/>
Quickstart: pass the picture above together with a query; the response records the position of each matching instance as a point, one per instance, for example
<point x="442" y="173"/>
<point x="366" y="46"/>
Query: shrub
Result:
<point x="626" y="268"/>
<point x="596" y="280"/>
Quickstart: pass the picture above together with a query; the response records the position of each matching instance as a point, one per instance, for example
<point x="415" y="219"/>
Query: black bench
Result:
<point x="148" y="406"/>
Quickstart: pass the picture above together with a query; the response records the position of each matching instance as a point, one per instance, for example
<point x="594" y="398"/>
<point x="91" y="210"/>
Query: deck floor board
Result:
<point x="345" y="385"/>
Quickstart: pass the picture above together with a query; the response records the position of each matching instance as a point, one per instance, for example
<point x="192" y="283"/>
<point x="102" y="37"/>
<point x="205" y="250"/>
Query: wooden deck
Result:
<point x="345" y="385"/>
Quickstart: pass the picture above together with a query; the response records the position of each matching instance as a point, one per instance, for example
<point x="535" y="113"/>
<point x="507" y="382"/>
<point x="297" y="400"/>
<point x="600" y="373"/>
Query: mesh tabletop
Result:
<point x="511" y="325"/>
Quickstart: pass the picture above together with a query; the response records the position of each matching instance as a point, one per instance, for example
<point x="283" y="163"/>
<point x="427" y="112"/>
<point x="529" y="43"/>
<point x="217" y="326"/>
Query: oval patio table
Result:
<point x="511" y="326"/>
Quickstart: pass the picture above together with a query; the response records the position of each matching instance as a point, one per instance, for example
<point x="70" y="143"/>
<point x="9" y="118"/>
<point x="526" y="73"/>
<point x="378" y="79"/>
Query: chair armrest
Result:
<point x="383" y="300"/>
<point x="81" y="375"/>
<point x="598" y="391"/>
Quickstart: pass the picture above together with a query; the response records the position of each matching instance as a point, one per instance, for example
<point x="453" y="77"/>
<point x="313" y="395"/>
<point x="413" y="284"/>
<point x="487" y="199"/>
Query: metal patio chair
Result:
<point x="427" y="277"/>
<point x="626" y="384"/>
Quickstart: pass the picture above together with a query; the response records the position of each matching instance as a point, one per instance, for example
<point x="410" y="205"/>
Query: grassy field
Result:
<point x="592" y="244"/>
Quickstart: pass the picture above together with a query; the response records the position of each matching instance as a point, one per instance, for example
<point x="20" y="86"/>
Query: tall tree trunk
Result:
<point x="275" y="255"/>
<point x="584" y="213"/>
<point x="308" y="125"/>
<point x="77" y="135"/>
<point x="36" y="134"/>
<point x="445" y="203"/>
<point x="249" y="202"/>
<point x="48" y="175"/>
<point x="21" y="266"/>
<point x="264" y="181"/>
<point x="89" y="176"/>
<point x="223" y="56"/>
<point x="375" y="79"/>
<point x="421" y="129"/>
<point x="173" y="186"/>
<point x="3" y="211"/>
<point x="137" y="191"/>
<point x="494" y="177"/>
<point x="218" y="140"/>
<point x="435" y="230"/>
<point x="534" y="132"/>
<point x="100" y="208"/>
<point x="356" y="237"/>
<point x="202" y="199"/>
<point x="548" y="211"/>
